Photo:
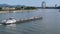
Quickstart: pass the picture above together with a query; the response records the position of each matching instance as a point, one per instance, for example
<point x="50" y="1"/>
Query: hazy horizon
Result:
<point x="30" y="2"/>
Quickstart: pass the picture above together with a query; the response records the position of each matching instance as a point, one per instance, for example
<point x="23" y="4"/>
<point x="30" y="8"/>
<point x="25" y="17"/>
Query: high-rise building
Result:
<point x="55" y="5"/>
<point x="43" y="4"/>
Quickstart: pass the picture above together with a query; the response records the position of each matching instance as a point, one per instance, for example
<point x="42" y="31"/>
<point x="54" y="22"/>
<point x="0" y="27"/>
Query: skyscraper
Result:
<point x="43" y="4"/>
<point x="55" y="5"/>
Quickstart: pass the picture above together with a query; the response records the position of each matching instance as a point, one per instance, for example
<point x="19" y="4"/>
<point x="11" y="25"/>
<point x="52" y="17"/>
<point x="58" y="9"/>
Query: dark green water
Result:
<point x="50" y="24"/>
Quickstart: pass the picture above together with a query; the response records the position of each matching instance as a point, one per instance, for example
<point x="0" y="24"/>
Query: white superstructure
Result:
<point x="10" y="20"/>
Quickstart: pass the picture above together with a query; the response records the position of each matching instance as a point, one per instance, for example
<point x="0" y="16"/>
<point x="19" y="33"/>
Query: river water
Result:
<point x="50" y="24"/>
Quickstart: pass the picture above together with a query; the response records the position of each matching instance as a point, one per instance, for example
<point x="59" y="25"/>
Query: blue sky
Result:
<point x="30" y="2"/>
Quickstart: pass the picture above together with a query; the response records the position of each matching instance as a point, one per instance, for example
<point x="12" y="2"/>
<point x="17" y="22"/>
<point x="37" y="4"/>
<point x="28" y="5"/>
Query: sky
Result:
<point x="30" y="2"/>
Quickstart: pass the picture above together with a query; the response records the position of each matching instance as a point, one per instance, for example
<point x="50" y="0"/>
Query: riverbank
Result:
<point x="17" y="11"/>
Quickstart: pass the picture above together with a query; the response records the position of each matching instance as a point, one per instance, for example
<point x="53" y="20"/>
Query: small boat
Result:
<point x="9" y="21"/>
<point x="14" y="11"/>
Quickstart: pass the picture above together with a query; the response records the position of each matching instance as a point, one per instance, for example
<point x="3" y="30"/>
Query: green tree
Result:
<point x="0" y="8"/>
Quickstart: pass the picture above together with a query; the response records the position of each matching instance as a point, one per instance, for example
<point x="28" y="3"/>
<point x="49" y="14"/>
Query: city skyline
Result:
<point x="30" y="2"/>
